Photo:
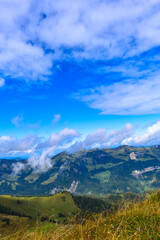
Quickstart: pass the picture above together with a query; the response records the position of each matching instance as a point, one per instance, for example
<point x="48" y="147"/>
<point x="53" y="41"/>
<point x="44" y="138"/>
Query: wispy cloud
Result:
<point x="129" y="97"/>
<point x="2" y="82"/>
<point x="16" y="121"/>
<point x="56" y="118"/>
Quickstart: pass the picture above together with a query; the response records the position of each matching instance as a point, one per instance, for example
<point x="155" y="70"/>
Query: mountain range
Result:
<point x="95" y="172"/>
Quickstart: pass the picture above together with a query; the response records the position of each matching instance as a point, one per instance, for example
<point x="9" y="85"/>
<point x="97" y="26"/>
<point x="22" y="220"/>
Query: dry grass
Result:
<point x="139" y="220"/>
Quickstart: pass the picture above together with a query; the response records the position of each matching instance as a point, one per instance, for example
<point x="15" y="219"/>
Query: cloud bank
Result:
<point x="101" y="139"/>
<point x="13" y="145"/>
<point x="150" y="137"/>
<point x="40" y="150"/>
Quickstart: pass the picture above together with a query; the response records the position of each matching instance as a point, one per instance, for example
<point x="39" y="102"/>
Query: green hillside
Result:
<point x="59" y="206"/>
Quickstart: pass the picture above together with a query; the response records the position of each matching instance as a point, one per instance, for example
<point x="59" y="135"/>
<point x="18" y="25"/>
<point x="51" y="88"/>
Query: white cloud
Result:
<point x="17" y="120"/>
<point x="125" y="98"/>
<point x="2" y="82"/>
<point x="56" y="118"/>
<point x="68" y="29"/>
<point x="100" y="139"/>
<point x="56" y="141"/>
<point x="33" y="145"/>
<point x="17" y="168"/>
<point x="41" y="163"/>
<point x="150" y="137"/>
<point x="63" y="136"/>
<point x="14" y="145"/>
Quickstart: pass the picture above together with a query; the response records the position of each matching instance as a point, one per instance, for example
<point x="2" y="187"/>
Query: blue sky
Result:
<point x="78" y="74"/>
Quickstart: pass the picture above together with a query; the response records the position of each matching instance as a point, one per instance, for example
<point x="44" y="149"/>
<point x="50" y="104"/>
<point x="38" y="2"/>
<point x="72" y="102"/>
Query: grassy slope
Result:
<point x="16" y="224"/>
<point x="136" y="221"/>
<point x="41" y="206"/>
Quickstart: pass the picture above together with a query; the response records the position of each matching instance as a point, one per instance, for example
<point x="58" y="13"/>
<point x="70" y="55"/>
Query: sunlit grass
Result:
<point x="140" y="220"/>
